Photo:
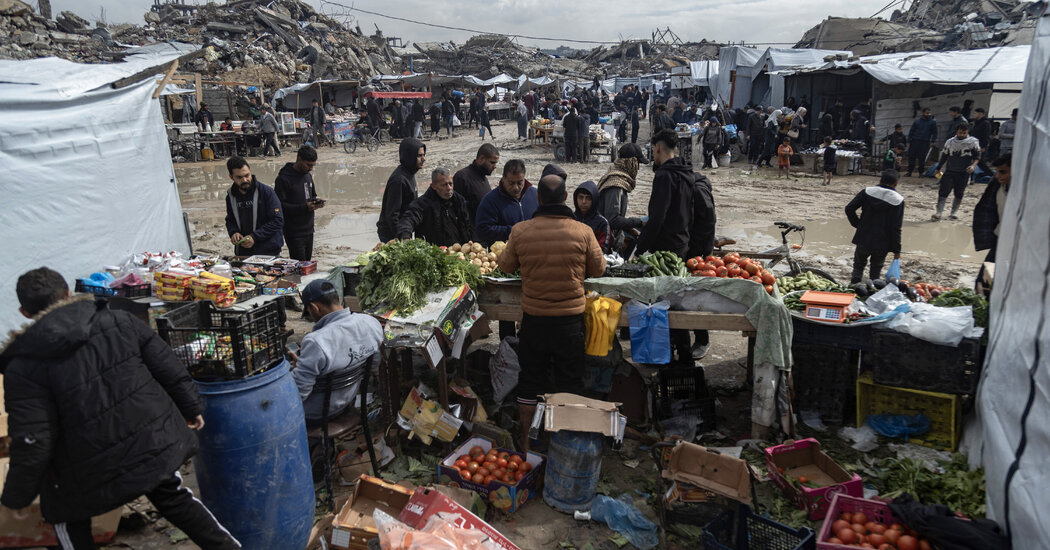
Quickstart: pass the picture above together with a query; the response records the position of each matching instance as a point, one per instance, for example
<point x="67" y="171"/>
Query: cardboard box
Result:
<point x="566" y="411"/>
<point x="353" y="527"/>
<point x="804" y="458"/>
<point x="694" y="467"/>
<point x="32" y="531"/>
<point x="504" y="497"/>
<point x="427" y="502"/>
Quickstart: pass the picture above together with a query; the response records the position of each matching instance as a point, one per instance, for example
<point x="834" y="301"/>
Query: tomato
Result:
<point x="707" y="273"/>
<point x="892" y="535"/>
<point x="484" y="471"/>
<point x="876" y="539"/>
<point x="478" y="478"/>
<point x="466" y="474"/>
<point x="768" y="278"/>
<point x="839" y="525"/>
<point x="504" y="454"/>
<point x="488" y="479"/>
<point x="907" y="542"/>
<point x="752" y="269"/>
<point x="508" y="478"/>
<point x="710" y="259"/>
<point x="513" y="466"/>
<point x="847" y="517"/>
<point x="526" y="467"/>
<point x="515" y="458"/>
<point x="834" y="540"/>
<point x="464" y="458"/>
<point x="461" y="464"/>
<point x="769" y="289"/>
<point x="803" y="479"/>
<point x="860" y="518"/>
<point x="886" y="546"/>
<point x="492" y="453"/>
<point x="722" y="271"/>
<point x="473" y="467"/>
<point x="691" y="263"/>
<point x="875" y="527"/>
<point x="859" y="528"/>
<point x="732" y="257"/>
<point x="475" y="450"/>
<point x="867" y="545"/>
<point x="501" y="462"/>
<point x="757" y="279"/>
<point x="734" y="270"/>
<point x="847" y="536"/>
<point x="924" y="545"/>
<point x="518" y="475"/>
<point x="717" y="263"/>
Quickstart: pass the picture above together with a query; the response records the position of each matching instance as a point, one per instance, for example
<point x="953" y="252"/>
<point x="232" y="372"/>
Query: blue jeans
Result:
<point x="448" y="124"/>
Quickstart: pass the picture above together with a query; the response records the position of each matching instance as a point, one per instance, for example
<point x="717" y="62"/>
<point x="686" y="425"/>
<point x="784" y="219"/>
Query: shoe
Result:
<point x="699" y="351"/>
<point x="935" y="217"/>
<point x="953" y="217"/>
<point x="908" y="175"/>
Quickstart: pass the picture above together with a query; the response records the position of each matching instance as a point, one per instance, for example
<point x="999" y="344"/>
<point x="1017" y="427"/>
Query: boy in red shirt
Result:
<point x="784" y="153"/>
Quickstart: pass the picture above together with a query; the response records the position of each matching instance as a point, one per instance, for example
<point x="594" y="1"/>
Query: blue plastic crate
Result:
<point x="130" y="291"/>
<point x="744" y="530"/>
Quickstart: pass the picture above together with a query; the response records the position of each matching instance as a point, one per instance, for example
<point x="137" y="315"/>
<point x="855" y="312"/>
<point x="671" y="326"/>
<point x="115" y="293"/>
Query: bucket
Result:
<point x="253" y="467"/>
<point x="574" y="463"/>
<point x="207" y="154"/>
<point x="723" y="160"/>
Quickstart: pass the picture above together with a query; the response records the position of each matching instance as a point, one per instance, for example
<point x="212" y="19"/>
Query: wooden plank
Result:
<point x="166" y="79"/>
<point x="150" y="71"/>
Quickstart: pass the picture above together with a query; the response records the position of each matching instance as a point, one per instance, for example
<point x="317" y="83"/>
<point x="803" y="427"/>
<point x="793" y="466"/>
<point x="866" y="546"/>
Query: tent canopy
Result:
<point x="704" y="73"/>
<point x="775" y="59"/>
<point x="1005" y="64"/>
<point x="398" y="95"/>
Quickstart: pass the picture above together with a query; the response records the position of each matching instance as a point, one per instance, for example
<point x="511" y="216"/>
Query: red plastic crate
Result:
<point x="806" y="453"/>
<point x="876" y="511"/>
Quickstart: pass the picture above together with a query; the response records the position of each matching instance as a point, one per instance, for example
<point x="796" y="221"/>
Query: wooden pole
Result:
<point x="199" y="90"/>
<point x="167" y="78"/>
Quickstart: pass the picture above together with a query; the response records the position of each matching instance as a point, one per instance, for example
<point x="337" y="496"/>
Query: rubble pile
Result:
<point x="929" y="25"/>
<point x="636" y="57"/>
<point x="487" y="55"/>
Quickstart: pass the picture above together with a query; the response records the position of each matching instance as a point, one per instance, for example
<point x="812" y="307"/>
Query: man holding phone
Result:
<point x="295" y="188"/>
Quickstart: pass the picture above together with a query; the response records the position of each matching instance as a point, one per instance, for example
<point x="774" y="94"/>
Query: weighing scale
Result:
<point x="829" y="307"/>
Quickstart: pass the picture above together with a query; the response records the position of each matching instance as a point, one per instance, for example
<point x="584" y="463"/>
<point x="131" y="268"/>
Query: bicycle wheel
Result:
<point x="814" y="270"/>
<point x="350" y="145"/>
<point x="372" y="144"/>
<point x="384" y="136"/>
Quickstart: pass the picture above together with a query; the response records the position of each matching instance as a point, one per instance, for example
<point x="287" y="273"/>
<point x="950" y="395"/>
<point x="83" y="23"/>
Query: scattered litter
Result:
<point x="864" y="438"/>
<point x="812" y="419"/>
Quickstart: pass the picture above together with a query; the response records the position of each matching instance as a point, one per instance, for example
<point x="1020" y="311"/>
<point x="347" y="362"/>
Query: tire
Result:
<point x="372" y="145"/>
<point x="816" y="271"/>
<point x="384" y="136"/>
<point x="350" y="146"/>
<point x="559" y="153"/>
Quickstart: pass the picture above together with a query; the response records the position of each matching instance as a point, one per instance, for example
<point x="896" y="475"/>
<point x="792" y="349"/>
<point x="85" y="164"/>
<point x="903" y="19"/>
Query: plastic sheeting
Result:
<point x="704" y="73"/>
<point x="88" y="178"/>
<point x="989" y="65"/>
<point x="1013" y="400"/>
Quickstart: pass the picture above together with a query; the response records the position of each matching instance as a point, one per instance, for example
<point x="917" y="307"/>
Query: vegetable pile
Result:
<point x="477" y="254"/>
<point x="809" y="281"/>
<point x="401" y="274"/>
<point x="663" y="263"/>
<point x="958" y="487"/>
<point x="732" y="266"/>
<point x="859" y="531"/>
<point x="962" y="297"/>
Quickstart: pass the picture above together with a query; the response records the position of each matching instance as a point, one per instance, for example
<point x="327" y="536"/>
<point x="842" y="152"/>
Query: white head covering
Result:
<point x="775" y="117"/>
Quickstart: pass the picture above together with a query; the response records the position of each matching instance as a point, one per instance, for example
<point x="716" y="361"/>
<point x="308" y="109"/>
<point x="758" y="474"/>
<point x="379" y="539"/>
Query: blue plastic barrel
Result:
<point x="574" y="462"/>
<point x="254" y="463"/>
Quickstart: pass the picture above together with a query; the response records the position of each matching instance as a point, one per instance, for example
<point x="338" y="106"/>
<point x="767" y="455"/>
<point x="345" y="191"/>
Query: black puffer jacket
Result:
<point x="882" y="216"/>
<point x="986" y="218"/>
<point x="439" y="222"/>
<point x="98" y="406"/>
<point x="670" y="209"/>
<point x="400" y="189"/>
<point x="702" y="229"/>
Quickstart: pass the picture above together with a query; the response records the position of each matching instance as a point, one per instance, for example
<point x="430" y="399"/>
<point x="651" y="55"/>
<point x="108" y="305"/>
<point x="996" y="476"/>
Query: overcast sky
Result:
<point x="752" y="21"/>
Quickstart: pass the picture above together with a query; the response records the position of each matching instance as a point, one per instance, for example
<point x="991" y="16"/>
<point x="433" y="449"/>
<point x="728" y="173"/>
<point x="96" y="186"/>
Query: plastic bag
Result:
<point x="601" y="318"/>
<point x="650" y="332"/>
<point x="456" y="121"/>
<point x="940" y="325"/>
<point x="898" y="425"/>
<point x="504" y="369"/>
<point x="440" y="533"/>
<point x="894" y="270"/>
<point x="621" y="516"/>
<point x="886" y="299"/>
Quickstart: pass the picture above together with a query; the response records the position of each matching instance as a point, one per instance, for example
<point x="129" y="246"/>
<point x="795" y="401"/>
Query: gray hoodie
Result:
<point x="341" y="340"/>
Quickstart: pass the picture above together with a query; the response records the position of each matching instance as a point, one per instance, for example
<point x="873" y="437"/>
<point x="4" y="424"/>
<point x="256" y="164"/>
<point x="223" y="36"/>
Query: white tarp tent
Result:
<point x="732" y="60"/>
<point x="88" y="179"/>
<point x="1005" y="64"/>
<point x="704" y="73"/>
<point x="764" y="72"/>
<point x="1013" y="401"/>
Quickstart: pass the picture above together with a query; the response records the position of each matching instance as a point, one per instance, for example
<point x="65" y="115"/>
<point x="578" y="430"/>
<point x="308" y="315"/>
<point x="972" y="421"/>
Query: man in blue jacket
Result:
<point x="513" y="201"/>
<point x="254" y="219"/>
<point x="922" y="134"/>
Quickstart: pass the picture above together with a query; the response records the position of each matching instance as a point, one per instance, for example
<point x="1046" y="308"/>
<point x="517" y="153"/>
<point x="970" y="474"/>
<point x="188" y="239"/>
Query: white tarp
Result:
<point x="1013" y="401"/>
<point x="776" y="59"/>
<point x="704" y="73"/>
<point x="732" y="59"/>
<point x="88" y="179"/>
<point x="1005" y="64"/>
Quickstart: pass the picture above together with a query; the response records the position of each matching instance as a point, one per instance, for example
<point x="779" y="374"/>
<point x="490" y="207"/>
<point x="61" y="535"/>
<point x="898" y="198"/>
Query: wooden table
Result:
<point x="541" y="134"/>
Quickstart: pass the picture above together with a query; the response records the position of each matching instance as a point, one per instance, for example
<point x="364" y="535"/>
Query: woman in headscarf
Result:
<point x="772" y="131"/>
<point x="797" y="129"/>
<point x="523" y="121"/>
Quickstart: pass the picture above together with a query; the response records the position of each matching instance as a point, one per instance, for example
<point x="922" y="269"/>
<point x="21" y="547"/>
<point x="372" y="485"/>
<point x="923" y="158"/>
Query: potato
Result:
<point x="455" y="247"/>
<point x="486" y="264"/>
<point x="477" y="248"/>
<point x="476" y="262"/>
<point x="493" y="257"/>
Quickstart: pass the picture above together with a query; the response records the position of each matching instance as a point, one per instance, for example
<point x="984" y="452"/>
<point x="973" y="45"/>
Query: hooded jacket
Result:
<point x="702" y="228"/>
<point x="473" y="185"/>
<point x="400" y="189"/>
<point x="441" y="222"/>
<point x="498" y="213"/>
<point x="256" y="213"/>
<point x="755" y="122"/>
<point x="613" y="190"/>
<point x="670" y="209"/>
<point x="923" y="130"/>
<point x="295" y="189"/>
<point x="98" y="405"/>
<point x="593" y="218"/>
<point x="986" y="218"/>
<point x="882" y="216"/>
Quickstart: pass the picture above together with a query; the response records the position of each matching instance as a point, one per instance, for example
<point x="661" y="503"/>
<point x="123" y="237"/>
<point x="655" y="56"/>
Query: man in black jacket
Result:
<point x="375" y="115"/>
<point x="671" y="201"/>
<point x="878" y="225"/>
<point x="401" y="187"/>
<point x="418" y="117"/>
<point x="317" y="123"/>
<point x="571" y="124"/>
<point x="702" y="243"/>
<point x="440" y="216"/>
<point x="254" y="220"/>
<point x="982" y="130"/>
<point x="295" y="188"/>
<point x="472" y="182"/>
<point x="100" y="414"/>
<point x="755" y="133"/>
<point x="988" y="213"/>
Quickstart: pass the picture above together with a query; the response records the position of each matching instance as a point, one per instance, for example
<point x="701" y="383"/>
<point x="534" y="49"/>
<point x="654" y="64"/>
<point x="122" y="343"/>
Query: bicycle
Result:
<point x="783" y="252"/>
<point x="360" y="136"/>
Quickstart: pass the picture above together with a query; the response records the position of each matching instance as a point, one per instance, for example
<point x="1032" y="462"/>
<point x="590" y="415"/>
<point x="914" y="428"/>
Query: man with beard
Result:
<point x="440" y="216"/>
<point x="254" y="220"/>
<point x="295" y="188"/>
<point x="472" y="182"/>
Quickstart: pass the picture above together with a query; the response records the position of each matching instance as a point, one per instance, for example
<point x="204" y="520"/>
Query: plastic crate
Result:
<point x="943" y="410"/>
<point x="825" y="381"/>
<point x="629" y="271"/>
<point x="845" y="336"/>
<point x="308" y="267"/>
<point x="129" y="291"/>
<point x="249" y="294"/>
<point x="218" y="344"/>
<point x="745" y="530"/>
<point x="905" y="361"/>
<point x="685" y="389"/>
<point x="876" y="511"/>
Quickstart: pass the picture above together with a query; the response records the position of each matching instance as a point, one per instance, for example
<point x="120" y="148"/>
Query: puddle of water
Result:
<point x="338" y="182"/>
<point x="832" y="238"/>
<point x="357" y="231"/>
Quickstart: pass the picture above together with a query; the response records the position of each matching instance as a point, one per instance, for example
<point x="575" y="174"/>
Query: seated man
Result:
<point x="340" y="341"/>
<point x="439" y="216"/>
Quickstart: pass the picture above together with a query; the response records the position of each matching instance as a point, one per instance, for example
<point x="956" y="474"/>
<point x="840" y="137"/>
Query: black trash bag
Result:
<point x="944" y="529"/>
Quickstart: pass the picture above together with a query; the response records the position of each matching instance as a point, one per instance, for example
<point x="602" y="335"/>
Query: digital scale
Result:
<point x="829" y="307"/>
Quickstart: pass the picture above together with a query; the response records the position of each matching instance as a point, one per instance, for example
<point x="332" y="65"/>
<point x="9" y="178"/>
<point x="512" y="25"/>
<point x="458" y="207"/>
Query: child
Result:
<point x="784" y="153"/>
<point x="829" y="160"/>
<point x="878" y="226"/>
<point x="892" y="160"/>
<point x="585" y="198"/>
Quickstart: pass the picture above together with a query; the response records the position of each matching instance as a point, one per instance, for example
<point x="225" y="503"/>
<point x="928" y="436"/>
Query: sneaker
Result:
<point x="700" y="351"/>
<point x="908" y="175"/>
<point x="953" y="217"/>
<point x="935" y="217"/>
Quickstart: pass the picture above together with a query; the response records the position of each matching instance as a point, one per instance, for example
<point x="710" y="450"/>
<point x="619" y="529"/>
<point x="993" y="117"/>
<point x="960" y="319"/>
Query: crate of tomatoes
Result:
<point x="854" y="522"/>
<point x="732" y="266"/>
<point x="504" y="478"/>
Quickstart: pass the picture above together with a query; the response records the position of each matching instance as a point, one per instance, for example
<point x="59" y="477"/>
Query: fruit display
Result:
<point x="732" y="266"/>
<point x="662" y="263"/>
<point x="857" y="530"/>
<point x="494" y="466"/>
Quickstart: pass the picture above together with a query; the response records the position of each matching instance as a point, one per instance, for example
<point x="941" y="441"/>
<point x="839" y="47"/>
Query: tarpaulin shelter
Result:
<point x="299" y="96"/>
<point x="1013" y="399"/>
<point x="87" y="165"/>
<point x="767" y="87"/>
<point x="704" y="73"/>
<point x="734" y="74"/>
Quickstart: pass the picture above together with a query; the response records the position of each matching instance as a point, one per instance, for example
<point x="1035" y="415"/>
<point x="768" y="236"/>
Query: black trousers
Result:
<point x="270" y="140"/>
<point x="953" y="182"/>
<point x="572" y="148"/>
<point x="754" y="148"/>
<point x="177" y="504"/>
<point x="634" y="131"/>
<point x="300" y="248"/>
<point x="860" y="259"/>
<point x="550" y="347"/>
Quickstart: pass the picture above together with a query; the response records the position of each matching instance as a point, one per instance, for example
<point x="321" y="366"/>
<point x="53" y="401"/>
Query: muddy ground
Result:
<point x="748" y="202"/>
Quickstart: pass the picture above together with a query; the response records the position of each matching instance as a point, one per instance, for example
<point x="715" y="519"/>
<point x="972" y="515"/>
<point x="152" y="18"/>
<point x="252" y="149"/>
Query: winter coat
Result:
<point x="257" y="213"/>
<point x="571" y="124"/>
<point x="400" y="189"/>
<point x="827" y="126"/>
<point x="441" y="222"/>
<point x="1007" y="130"/>
<point x="340" y="341"/>
<point x="473" y="185"/>
<point x="755" y="122"/>
<point x="958" y="154"/>
<point x="375" y="116"/>
<point x="860" y="128"/>
<point x="896" y="139"/>
<point x="295" y="189"/>
<point x="555" y="254"/>
<point x="982" y="130"/>
<point x="205" y="116"/>
<point x="499" y="212"/>
<point x="953" y="125"/>
<point x="613" y="190"/>
<point x="268" y="123"/>
<point x="593" y="218"/>
<point x="712" y="137"/>
<point x="670" y="209"/>
<point x="702" y="227"/>
<point x="448" y="108"/>
<point x="986" y="218"/>
<point x="97" y="406"/>
<point x="882" y="216"/>
<point x="317" y="118"/>
<point x="923" y="130"/>
<point x="418" y="115"/>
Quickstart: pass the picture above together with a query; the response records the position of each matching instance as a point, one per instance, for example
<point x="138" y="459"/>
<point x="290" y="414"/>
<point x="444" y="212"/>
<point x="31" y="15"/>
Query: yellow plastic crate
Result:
<point x="943" y="410"/>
